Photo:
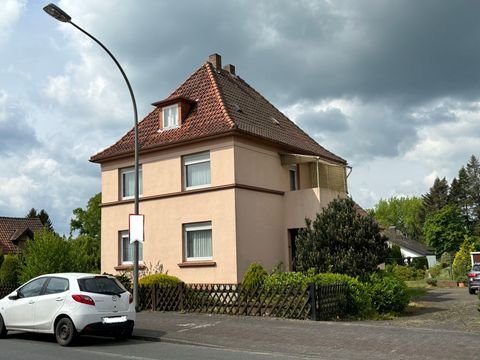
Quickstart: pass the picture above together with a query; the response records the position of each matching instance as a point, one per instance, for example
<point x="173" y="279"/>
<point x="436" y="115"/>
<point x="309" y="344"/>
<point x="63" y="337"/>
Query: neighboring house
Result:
<point x="14" y="233"/>
<point x="408" y="247"/>
<point x="226" y="180"/>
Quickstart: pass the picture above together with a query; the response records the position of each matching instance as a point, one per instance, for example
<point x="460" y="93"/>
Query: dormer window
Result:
<point x="173" y="111"/>
<point x="170" y="116"/>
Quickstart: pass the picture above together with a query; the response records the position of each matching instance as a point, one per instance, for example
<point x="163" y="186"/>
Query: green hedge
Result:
<point x="359" y="302"/>
<point x="159" y="279"/>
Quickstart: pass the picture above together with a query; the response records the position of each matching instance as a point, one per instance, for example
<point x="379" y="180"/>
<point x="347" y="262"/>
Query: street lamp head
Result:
<point x="54" y="11"/>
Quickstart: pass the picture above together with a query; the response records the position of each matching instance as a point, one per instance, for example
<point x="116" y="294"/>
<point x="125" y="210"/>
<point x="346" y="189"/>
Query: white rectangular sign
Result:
<point x="136" y="223"/>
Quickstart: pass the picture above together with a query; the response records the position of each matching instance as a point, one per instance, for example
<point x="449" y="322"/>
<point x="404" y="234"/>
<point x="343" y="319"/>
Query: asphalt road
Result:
<point x="445" y="324"/>
<point x="38" y="347"/>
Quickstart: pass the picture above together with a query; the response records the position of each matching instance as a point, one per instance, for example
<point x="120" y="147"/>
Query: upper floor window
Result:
<point x="127" y="176"/>
<point x="292" y="172"/>
<point x="170" y="117"/>
<point x="196" y="170"/>
<point x="126" y="249"/>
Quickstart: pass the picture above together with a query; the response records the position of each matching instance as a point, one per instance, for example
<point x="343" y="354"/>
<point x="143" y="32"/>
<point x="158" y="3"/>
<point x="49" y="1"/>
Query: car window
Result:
<point x="476" y="267"/>
<point x="33" y="288"/>
<point x="56" y="285"/>
<point x="101" y="285"/>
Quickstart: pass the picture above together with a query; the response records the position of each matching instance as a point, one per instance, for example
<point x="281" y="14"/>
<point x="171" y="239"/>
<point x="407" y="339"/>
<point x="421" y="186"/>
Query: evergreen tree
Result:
<point x="437" y="197"/>
<point x="43" y="216"/>
<point x="341" y="241"/>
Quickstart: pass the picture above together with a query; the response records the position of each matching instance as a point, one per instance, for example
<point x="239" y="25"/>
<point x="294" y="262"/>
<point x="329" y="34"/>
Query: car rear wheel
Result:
<point x="3" y="330"/>
<point x="65" y="332"/>
<point x="471" y="291"/>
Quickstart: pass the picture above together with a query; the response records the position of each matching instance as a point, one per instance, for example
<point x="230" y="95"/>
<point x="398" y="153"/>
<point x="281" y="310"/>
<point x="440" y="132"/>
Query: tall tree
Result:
<point x="445" y="230"/>
<point x="43" y="216"/>
<point x="404" y="213"/>
<point x="473" y="189"/>
<point x="342" y="241"/>
<point x="87" y="223"/>
<point x="437" y="197"/>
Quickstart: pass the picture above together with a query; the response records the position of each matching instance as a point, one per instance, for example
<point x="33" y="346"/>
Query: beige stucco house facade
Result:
<point x="226" y="180"/>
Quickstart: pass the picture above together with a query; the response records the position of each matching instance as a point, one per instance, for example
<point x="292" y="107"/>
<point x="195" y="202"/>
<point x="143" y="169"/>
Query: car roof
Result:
<point x="72" y="275"/>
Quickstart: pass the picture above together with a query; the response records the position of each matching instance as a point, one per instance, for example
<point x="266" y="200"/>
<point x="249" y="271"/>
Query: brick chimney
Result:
<point x="230" y="68"/>
<point x="215" y="60"/>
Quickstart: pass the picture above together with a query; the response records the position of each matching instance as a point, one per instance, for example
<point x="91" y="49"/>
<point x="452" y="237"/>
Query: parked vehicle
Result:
<point x="68" y="305"/>
<point x="474" y="278"/>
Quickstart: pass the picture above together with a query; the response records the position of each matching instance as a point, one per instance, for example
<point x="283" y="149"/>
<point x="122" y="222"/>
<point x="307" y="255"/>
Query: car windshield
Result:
<point x="476" y="267"/>
<point x="101" y="285"/>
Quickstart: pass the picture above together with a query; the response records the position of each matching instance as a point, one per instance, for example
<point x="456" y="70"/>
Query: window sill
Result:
<point x="202" y="263"/>
<point x="141" y="266"/>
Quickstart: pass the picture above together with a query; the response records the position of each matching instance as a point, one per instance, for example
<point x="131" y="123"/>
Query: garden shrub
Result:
<point x="406" y="273"/>
<point x="159" y="279"/>
<point x="358" y="297"/>
<point x="9" y="270"/>
<point x="254" y="277"/>
<point x="435" y="271"/>
<point x="280" y="280"/>
<point x="389" y="293"/>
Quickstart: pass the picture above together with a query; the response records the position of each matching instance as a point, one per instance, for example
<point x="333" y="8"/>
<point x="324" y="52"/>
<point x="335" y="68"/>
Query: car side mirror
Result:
<point x="14" y="296"/>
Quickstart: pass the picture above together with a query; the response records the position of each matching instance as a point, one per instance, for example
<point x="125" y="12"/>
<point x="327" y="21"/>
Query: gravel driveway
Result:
<point x="443" y="308"/>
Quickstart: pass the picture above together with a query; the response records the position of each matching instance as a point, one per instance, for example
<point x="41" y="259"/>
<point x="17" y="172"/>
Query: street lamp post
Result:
<point x="54" y="11"/>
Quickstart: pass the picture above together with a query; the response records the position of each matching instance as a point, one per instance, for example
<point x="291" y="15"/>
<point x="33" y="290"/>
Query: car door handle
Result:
<point x="59" y="299"/>
<point x="31" y="302"/>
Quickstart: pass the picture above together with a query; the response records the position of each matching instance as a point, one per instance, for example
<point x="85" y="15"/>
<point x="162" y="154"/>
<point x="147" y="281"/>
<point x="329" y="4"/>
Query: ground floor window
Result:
<point x="198" y="241"/>
<point x="126" y="249"/>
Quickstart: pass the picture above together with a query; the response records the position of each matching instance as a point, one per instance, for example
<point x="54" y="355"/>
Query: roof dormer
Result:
<point x="173" y="111"/>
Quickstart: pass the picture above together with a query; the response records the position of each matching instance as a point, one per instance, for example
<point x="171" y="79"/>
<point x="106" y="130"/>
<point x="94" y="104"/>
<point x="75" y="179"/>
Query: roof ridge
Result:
<point x="19" y="218"/>
<point x="218" y="93"/>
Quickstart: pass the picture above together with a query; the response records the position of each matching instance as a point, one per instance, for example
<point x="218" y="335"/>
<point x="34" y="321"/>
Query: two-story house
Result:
<point x="226" y="179"/>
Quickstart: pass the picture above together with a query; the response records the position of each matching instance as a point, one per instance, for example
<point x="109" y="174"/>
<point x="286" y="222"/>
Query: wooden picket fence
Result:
<point x="7" y="289"/>
<point x="316" y="302"/>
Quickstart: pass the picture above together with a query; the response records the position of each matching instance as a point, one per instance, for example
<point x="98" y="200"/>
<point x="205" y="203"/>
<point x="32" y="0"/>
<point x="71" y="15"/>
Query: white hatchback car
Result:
<point x="67" y="305"/>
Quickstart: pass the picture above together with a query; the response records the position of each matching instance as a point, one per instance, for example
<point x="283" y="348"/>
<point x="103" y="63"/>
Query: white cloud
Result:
<point x="11" y="12"/>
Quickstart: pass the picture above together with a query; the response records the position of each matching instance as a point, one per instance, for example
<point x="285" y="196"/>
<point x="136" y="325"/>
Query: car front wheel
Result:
<point x="65" y="332"/>
<point x="3" y="330"/>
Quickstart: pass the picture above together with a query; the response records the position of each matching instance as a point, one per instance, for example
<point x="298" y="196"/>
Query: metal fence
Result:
<point x="315" y="302"/>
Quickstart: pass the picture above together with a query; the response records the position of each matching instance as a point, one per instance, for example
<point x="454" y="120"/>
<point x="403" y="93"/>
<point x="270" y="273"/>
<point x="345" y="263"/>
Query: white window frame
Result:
<point x="207" y="225"/>
<point x="186" y="161"/>
<point x="122" y="184"/>
<point x="293" y="169"/>
<point x="164" y="110"/>
<point x="124" y="236"/>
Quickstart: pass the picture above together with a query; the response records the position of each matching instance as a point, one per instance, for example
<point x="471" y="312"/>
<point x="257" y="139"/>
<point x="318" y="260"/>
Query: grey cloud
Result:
<point x="329" y="121"/>
<point x="17" y="136"/>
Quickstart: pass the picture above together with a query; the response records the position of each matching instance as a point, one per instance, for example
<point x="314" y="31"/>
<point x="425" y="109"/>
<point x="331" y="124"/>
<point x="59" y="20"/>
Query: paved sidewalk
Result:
<point x="335" y="340"/>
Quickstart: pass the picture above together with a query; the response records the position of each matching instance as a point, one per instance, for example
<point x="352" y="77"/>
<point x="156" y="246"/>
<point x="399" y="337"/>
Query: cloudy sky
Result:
<point x="393" y="87"/>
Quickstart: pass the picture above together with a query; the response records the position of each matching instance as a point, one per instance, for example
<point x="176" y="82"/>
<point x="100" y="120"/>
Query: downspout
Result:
<point x="318" y="186"/>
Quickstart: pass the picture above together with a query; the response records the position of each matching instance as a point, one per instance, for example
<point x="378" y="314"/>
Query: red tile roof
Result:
<point x="11" y="229"/>
<point x="225" y="105"/>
